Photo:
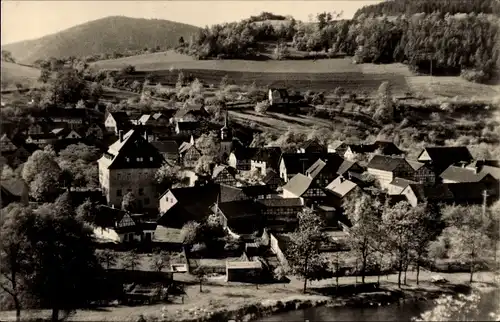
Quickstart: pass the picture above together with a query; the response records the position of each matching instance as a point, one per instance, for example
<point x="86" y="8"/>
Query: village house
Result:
<point x="470" y="173"/>
<point x="73" y="117"/>
<point x="277" y="96"/>
<point x="66" y="134"/>
<point x="130" y="165"/>
<point x="292" y="163"/>
<point x="441" y="157"/>
<point x="397" y="186"/>
<point x="187" y="127"/>
<point x="451" y="193"/>
<point x="281" y="213"/>
<point x="311" y="146"/>
<point x="349" y="167"/>
<point x="117" y="121"/>
<point x="265" y="159"/>
<point x="224" y="175"/>
<point x="353" y="152"/>
<point x="338" y="190"/>
<point x="241" y="158"/>
<point x="94" y="131"/>
<point x="304" y="187"/>
<point x="240" y="216"/>
<point x="189" y="154"/>
<point x="119" y="226"/>
<point x="14" y="155"/>
<point x="41" y="139"/>
<point x="324" y="171"/>
<point x="272" y="180"/>
<point x="177" y="206"/>
<point x="190" y="113"/>
<point x="168" y="149"/>
<point x="385" y="169"/>
<point x="422" y="172"/>
<point x="226" y="139"/>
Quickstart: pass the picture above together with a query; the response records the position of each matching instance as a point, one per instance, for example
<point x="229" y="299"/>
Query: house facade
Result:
<point x="281" y="213"/>
<point x="224" y="175"/>
<point x="189" y="154"/>
<point x="130" y="165"/>
<point x="385" y="169"/>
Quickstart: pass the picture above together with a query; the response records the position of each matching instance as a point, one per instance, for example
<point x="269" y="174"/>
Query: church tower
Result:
<point x="226" y="137"/>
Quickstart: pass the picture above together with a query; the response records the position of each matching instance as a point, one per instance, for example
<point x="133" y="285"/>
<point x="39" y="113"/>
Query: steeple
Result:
<point x="225" y="132"/>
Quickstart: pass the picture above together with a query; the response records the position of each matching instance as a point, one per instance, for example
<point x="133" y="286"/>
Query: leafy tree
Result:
<point x="200" y="273"/>
<point x="107" y="258"/>
<point x="44" y="187"/>
<point x="167" y="176"/>
<point x="7" y="56"/>
<point x="449" y="308"/>
<point x="281" y="51"/>
<point x="384" y="104"/>
<point x="129" y="202"/>
<point x="131" y="260"/>
<point x="95" y="92"/>
<point x="13" y="254"/>
<point x="399" y="224"/>
<point x="62" y="262"/>
<point x="180" y="80"/>
<point x="190" y="233"/>
<point x="67" y="88"/>
<point x="208" y="144"/>
<point x="40" y="161"/>
<point x="363" y="212"/>
<point x="262" y="107"/>
<point x="159" y="261"/>
<point x="304" y="251"/>
<point x="87" y="211"/>
<point x="127" y="70"/>
<point x="204" y="165"/>
<point x="339" y="92"/>
<point x="44" y="75"/>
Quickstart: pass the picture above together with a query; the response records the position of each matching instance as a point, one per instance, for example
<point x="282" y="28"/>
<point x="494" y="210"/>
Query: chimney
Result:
<point x="120" y="135"/>
<point x="342" y="179"/>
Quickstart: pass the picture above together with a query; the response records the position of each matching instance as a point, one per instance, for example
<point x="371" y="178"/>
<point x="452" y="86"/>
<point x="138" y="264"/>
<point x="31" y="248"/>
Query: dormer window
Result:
<point x="139" y="159"/>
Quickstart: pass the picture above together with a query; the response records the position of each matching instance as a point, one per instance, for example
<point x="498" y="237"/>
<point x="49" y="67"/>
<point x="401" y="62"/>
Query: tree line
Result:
<point x="385" y="237"/>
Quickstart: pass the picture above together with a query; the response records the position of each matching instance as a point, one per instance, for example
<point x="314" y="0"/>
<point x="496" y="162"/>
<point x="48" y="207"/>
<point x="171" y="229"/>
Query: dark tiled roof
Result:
<point x="347" y="166"/>
<point x="385" y="163"/>
<point x="310" y="144"/>
<point x="239" y="208"/>
<point x="281" y="202"/>
<point x="402" y="183"/>
<point x="341" y="187"/>
<point x="282" y="91"/>
<point x="132" y="146"/>
<point x="108" y="216"/>
<point x="230" y="193"/>
<point x="415" y="164"/>
<point x="188" y="126"/>
<point x="448" y="154"/>
<point x="120" y="117"/>
<point x="166" y="146"/>
<point x="439" y="192"/>
<point x="196" y="110"/>
<point x="460" y="174"/>
<point x="299" y="162"/>
<point x="258" y="190"/>
<point x="383" y="147"/>
<point x="245" y="153"/>
<point x="298" y="184"/>
<point x="270" y="176"/>
<point x="332" y="163"/>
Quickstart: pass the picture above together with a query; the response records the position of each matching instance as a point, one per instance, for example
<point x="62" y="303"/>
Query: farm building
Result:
<point x="243" y="271"/>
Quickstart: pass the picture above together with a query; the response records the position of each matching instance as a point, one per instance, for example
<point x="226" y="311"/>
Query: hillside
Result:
<point x="13" y="74"/>
<point x="105" y="35"/>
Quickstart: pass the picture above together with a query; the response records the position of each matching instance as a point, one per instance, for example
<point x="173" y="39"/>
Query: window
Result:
<point x="127" y="159"/>
<point x="146" y="201"/>
<point x="141" y="191"/>
<point x="139" y="159"/>
<point x="150" y="158"/>
<point x="119" y="192"/>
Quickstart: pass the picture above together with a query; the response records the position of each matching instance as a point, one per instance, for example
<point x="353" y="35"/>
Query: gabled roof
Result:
<point x="239" y="208"/>
<point x="270" y="176"/>
<point x="480" y="163"/>
<point x="341" y="187"/>
<point x="347" y="166"/>
<point x="244" y="153"/>
<point x="188" y="125"/>
<point x="298" y="184"/>
<point x="299" y="162"/>
<point x="331" y="162"/>
<point x="415" y="164"/>
<point x="132" y="145"/>
<point x="230" y="193"/>
<point x="166" y="146"/>
<point x="385" y="163"/>
<point x="282" y="91"/>
<point x="402" y="183"/>
<point x="144" y="118"/>
<point x="447" y="154"/>
<point x="218" y="169"/>
<point x="195" y="109"/>
<point x="6" y="144"/>
<point x="439" y="192"/>
<point x="310" y="143"/>
<point x="120" y="117"/>
<point x="383" y="147"/>
<point x="463" y="174"/>
<point x="257" y="190"/>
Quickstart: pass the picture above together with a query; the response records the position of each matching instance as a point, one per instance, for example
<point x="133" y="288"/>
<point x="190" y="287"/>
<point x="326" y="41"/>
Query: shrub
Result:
<point x="474" y="75"/>
<point x="262" y="107"/>
<point x="128" y="70"/>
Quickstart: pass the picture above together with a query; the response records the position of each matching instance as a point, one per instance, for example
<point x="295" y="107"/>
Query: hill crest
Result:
<point x="105" y="35"/>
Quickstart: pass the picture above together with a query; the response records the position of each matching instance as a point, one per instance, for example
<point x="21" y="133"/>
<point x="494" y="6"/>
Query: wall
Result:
<point x="258" y="165"/>
<point x="394" y="190"/>
<point x="133" y="180"/>
<point x="288" y="194"/>
<point x="166" y="202"/>
<point x="412" y="199"/>
<point x="232" y="160"/>
<point x="384" y="177"/>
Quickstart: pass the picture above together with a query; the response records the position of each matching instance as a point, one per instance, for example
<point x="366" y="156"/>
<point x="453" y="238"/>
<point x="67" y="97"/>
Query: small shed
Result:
<point x="243" y="271"/>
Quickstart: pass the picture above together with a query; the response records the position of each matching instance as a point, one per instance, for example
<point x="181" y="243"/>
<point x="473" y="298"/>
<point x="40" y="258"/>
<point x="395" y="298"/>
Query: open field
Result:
<point x="428" y="86"/>
<point x="15" y="73"/>
<point x="219" y="294"/>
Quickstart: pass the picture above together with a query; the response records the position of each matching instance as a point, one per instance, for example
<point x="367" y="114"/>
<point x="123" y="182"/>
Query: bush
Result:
<point x="474" y="75"/>
<point x="127" y="70"/>
<point x="262" y="107"/>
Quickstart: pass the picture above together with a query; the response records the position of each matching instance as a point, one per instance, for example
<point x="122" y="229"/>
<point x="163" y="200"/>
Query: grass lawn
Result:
<point x="220" y="294"/>
<point x="15" y="73"/>
<point x="450" y="87"/>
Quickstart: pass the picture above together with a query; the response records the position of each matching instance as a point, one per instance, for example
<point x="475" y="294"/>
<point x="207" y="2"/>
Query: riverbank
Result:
<point x="221" y="301"/>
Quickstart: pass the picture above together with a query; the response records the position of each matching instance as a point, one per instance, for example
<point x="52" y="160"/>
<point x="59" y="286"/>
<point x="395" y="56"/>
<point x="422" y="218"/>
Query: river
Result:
<point x="403" y="311"/>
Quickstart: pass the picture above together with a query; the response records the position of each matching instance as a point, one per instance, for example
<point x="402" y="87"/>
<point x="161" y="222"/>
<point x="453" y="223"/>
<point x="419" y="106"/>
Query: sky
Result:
<point x="22" y="20"/>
